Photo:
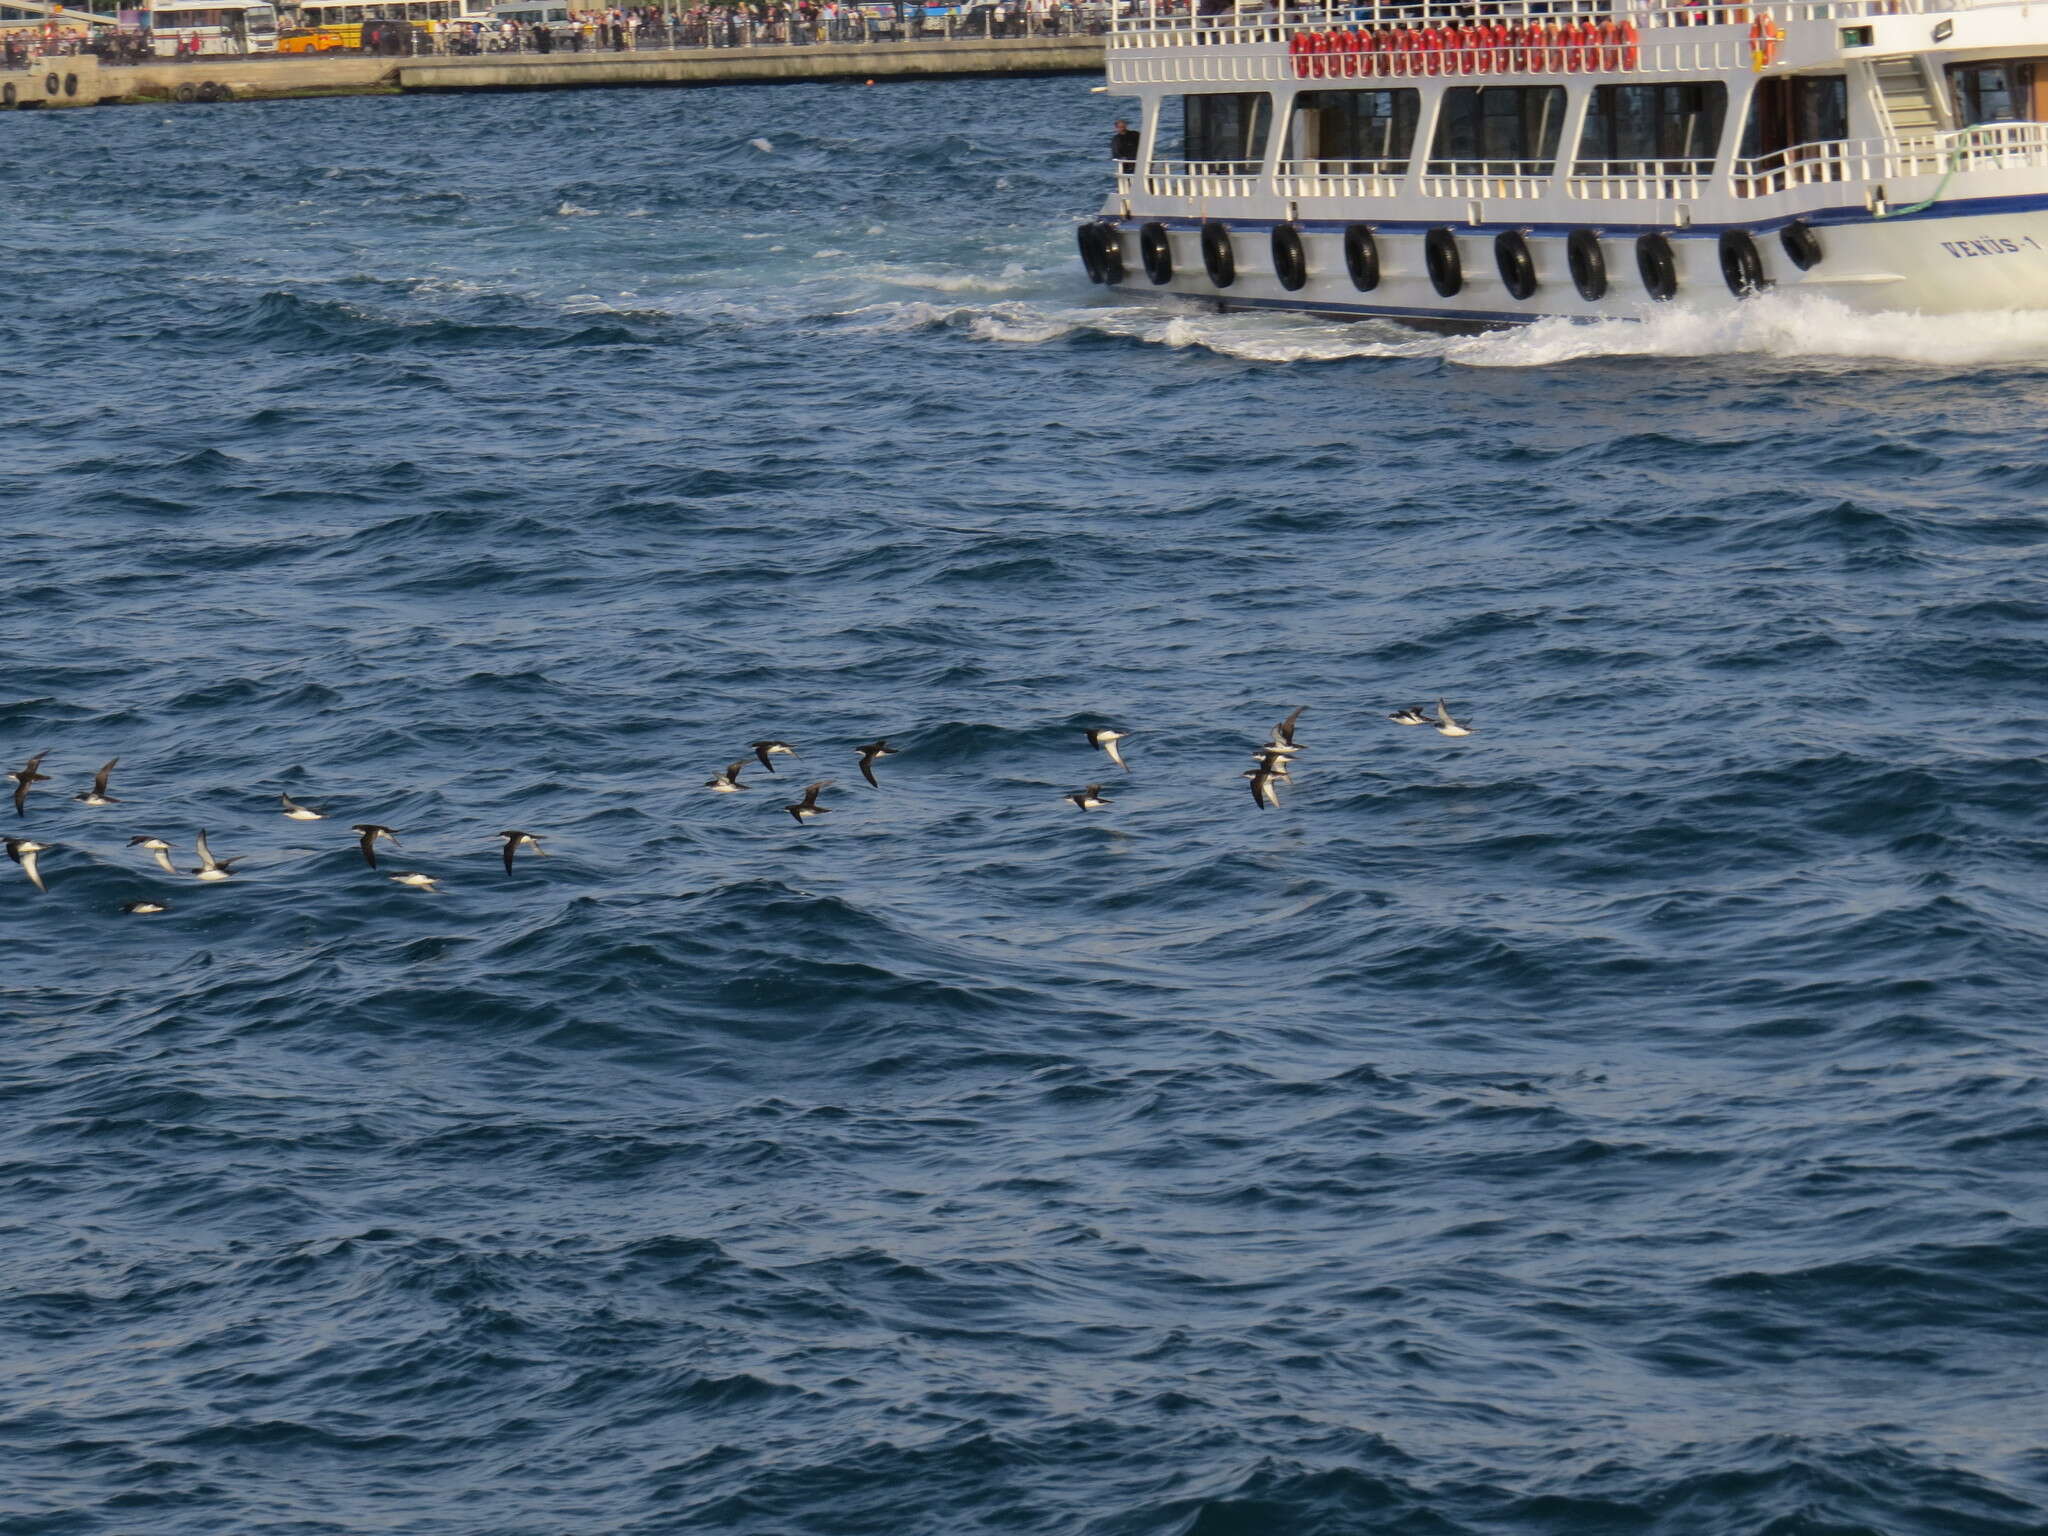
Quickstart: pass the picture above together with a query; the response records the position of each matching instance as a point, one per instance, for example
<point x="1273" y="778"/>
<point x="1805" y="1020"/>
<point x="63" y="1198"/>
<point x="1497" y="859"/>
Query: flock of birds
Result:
<point x="1271" y="757"/>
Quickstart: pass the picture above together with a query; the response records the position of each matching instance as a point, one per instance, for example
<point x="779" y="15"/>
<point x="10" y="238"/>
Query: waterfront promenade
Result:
<point x="83" y="81"/>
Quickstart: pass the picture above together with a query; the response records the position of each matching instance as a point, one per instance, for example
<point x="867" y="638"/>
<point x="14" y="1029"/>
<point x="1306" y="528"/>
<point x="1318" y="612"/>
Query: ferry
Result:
<point x="1489" y="163"/>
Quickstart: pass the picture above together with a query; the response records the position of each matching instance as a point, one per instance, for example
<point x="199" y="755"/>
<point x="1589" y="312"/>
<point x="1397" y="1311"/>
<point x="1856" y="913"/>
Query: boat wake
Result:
<point x="1783" y="326"/>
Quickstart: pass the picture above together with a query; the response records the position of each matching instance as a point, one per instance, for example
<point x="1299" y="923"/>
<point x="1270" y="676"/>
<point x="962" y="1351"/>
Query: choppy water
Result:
<point x="1626" y="1120"/>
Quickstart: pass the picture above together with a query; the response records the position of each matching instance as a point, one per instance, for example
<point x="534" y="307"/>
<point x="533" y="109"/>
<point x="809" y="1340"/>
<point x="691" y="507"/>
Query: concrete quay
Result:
<point x="737" y="66"/>
<point x="83" y="81"/>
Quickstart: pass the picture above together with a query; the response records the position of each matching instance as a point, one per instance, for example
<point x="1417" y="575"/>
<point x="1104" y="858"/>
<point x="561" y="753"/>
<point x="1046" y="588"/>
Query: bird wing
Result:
<point x="206" y="860"/>
<point x="510" y="844"/>
<point x="27" y="861"/>
<point x="1443" y="715"/>
<point x="99" y="780"/>
<point x="369" y="847"/>
<point x="1286" y="727"/>
<point x="21" y="784"/>
<point x="867" y="771"/>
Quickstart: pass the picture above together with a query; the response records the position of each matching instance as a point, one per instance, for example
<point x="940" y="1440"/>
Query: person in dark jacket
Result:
<point x="1123" y="146"/>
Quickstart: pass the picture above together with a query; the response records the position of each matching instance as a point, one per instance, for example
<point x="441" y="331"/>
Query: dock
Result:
<point x="270" y="77"/>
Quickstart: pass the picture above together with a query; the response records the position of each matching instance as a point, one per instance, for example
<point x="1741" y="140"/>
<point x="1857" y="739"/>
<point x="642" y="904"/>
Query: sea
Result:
<point x="1624" y="1120"/>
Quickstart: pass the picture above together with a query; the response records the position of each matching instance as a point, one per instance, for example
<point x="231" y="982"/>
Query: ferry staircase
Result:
<point x="1911" y="108"/>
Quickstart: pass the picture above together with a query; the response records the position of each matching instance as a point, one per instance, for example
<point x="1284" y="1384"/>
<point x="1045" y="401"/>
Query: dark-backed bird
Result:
<point x="24" y="779"/>
<point x="1275" y="763"/>
<point x="142" y="908"/>
<point x="514" y="841"/>
<point x="368" y="841"/>
<point x="211" y="868"/>
<point x="868" y="754"/>
<point x="1413" y="714"/>
<point x="1284" y="731"/>
<point x="1265" y="787"/>
<point x="1104" y="739"/>
<point x="158" y="847"/>
<point x="767" y="749"/>
<point x="98" y="795"/>
<point x="1445" y="724"/>
<point x="1089" y="799"/>
<point x="25" y="851"/>
<point x="803" y="810"/>
<point x="298" y="812"/>
<point x="416" y="880"/>
<point x="728" y="782"/>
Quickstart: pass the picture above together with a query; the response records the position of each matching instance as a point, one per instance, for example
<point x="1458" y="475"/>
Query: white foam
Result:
<point x="1779" y="325"/>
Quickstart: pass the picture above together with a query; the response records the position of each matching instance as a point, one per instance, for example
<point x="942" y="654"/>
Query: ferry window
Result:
<point x="1796" y="109"/>
<point x="1519" y="123"/>
<point x="1226" y="127"/>
<point x="1654" y="122"/>
<point x="1355" y="125"/>
<point x="2008" y="91"/>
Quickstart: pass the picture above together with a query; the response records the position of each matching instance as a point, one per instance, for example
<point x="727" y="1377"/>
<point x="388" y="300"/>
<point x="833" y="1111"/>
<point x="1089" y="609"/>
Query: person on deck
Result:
<point x="1123" y="146"/>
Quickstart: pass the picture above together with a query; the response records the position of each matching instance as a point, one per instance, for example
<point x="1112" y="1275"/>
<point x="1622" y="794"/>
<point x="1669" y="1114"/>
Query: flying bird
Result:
<point x="868" y="755"/>
<point x="25" y="851"/>
<point x="368" y="841"/>
<point x="1445" y="724"/>
<point x="417" y="881"/>
<point x="158" y="847"/>
<point x="1284" y="731"/>
<point x="1413" y="714"/>
<point x="803" y="810"/>
<point x="767" y="749"/>
<point x="513" y="842"/>
<point x="1104" y="739"/>
<point x="142" y="908"/>
<point x="1089" y="799"/>
<point x="211" y="868"/>
<point x="1265" y="787"/>
<point x="298" y="812"/>
<point x="98" y="795"/>
<point x="24" y="779"/>
<point x="728" y="782"/>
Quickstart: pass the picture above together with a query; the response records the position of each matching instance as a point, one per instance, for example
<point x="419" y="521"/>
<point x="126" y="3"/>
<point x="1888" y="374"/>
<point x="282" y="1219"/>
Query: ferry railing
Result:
<point x="1340" y="178"/>
<point x="1385" y="56"/>
<point x="1203" y="178"/>
<point x="1986" y="147"/>
<point x="1666" y="180"/>
<point x="1151" y="25"/>
<point x="1491" y="180"/>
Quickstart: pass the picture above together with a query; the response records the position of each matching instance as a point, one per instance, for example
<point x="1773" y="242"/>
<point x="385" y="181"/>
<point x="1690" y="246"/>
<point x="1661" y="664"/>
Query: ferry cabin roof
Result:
<point x="1517" y="99"/>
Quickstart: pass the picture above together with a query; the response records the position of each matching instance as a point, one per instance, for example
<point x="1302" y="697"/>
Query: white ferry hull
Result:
<point x="1936" y="262"/>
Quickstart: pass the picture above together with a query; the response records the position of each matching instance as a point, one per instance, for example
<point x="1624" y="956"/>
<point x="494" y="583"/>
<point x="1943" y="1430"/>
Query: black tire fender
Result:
<point x="1089" y="238"/>
<point x="1361" y="257"/>
<point x="1517" y="266"/>
<point x="51" y="84"/>
<point x="186" y="91"/>
<point x="1588" y="264"/>
<point x="71" y="85"/>
<point x="8" y="94"/>
<point x="1219" y="257"/>
<point x="1801" y="245"/>
<point x="1742" y="269"/>
<point x="1155" y="250"/>
<point x="1445" y="264"/>
<point x="1657" y="267"/>
<point x="1290" y="257"/>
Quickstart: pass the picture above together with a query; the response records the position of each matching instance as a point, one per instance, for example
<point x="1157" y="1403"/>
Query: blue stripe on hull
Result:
<point x="1477" y="319"/>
